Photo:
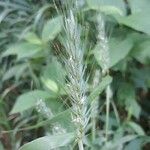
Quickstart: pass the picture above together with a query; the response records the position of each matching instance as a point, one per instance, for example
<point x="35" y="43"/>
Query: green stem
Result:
<point x="93" y="129"/>
<point x="108" y="96"/>
<point x="80" y="144"/>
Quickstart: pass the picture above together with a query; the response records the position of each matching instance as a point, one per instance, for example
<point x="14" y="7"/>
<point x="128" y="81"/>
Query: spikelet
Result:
<point x="75" y="73"/>
<point x="43" y="109"/>
<point x="103" y="42"/>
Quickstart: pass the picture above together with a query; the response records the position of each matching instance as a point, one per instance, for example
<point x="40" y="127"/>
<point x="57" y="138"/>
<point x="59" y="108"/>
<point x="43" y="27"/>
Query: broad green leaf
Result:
<point x="64" y="118"/>
<point x="124" y="140"/>
<point x="126" y="91"/>
<point x="126" y="96"/>
<point x="49" y="142"/>
<point x="15" y="71"/>
<point x="99" y="89"/>
<point x="23" y="50"/>
<point x="141" y="52"/>
<point x="137" y="21"/>
<point x="53" y="76"/>
<point x="29" y="100"/>
<point x="119" y="49"/>
<point x="55" y="105"/>
<point x="141" y="77"/>
<point x="113" y="145"/>
<point x="133" y="107"/>
<point x="134" y="144"/>
<point x="121" y="66"/>
<point x="138" y="143"/>
<point x="136" y="128"/>
<point x="52" y="28"/>
<point x="32" y="38"/>
<point x="139" y="6"/>
<point x="50" y="84"/>
<point x="107" y="6"/>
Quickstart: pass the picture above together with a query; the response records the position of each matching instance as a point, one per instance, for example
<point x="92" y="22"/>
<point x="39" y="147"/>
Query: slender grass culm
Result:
<point x="95" y="104"/>
<point x="75" y="72"/>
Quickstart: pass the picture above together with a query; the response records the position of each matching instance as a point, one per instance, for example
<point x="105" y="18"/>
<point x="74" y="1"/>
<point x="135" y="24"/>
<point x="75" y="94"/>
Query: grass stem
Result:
<point x="80" y="144"/>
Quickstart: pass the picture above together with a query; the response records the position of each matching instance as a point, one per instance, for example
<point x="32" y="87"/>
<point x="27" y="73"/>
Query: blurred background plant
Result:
<point x="32" y="72"/>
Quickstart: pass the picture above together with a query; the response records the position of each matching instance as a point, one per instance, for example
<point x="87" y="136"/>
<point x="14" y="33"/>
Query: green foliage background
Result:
<point x="30" y="69"/>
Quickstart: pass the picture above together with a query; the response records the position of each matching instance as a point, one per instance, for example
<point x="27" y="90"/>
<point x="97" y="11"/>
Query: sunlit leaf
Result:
<point x="50" y="84"/>
<point x="49" y="142"/>
<point x="53" y="76"/>
<point x="29" y="100"/>
<point x="32" y="38"/>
